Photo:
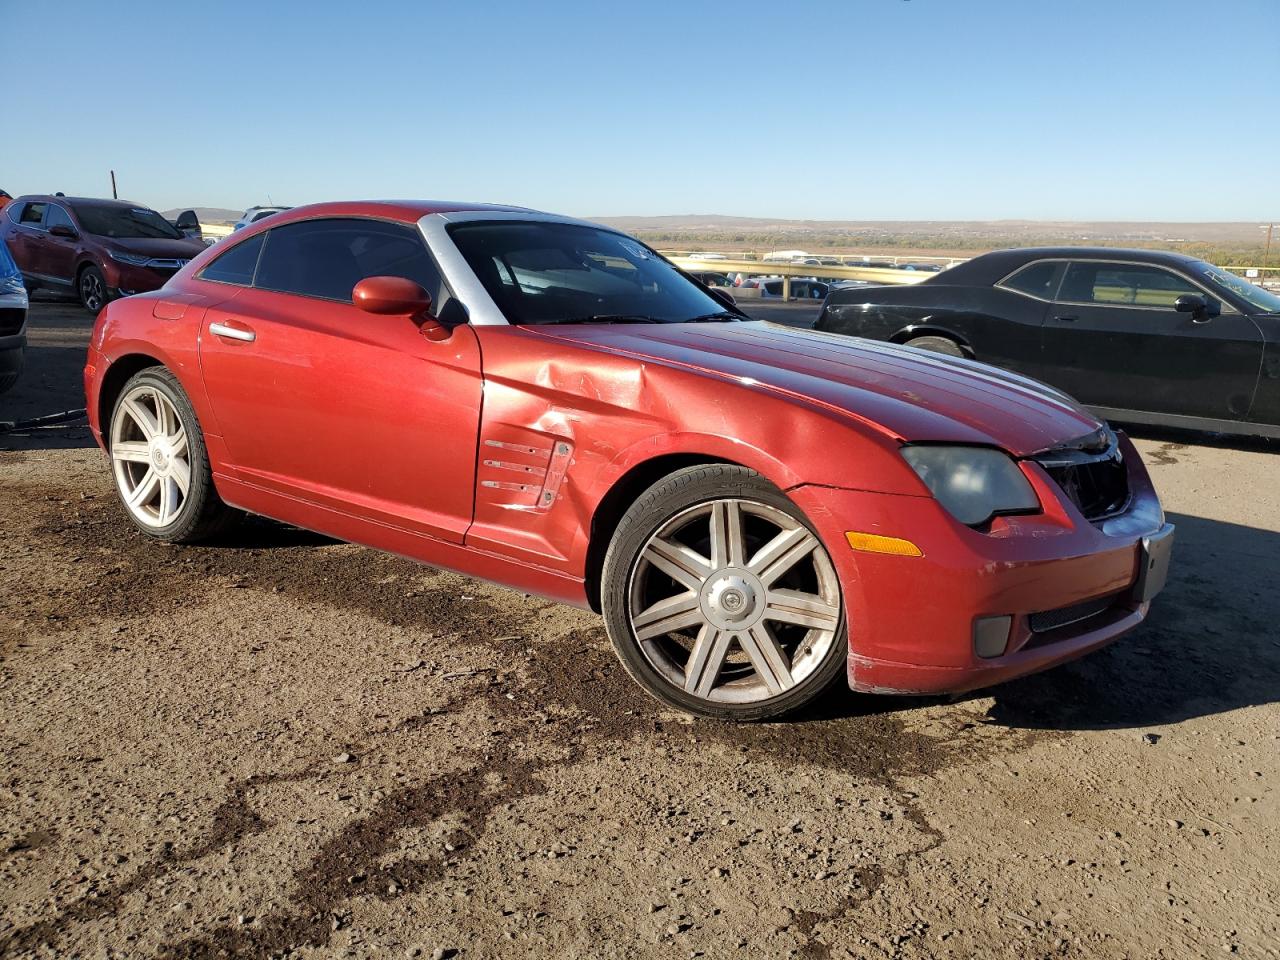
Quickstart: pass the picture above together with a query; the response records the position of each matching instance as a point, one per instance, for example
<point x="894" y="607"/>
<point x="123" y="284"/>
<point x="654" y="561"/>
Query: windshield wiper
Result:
<point x="713" y="317"/>
<point x="611" y="318"/>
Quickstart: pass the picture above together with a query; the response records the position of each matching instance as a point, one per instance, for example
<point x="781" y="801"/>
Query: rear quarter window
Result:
<point x="237" y="265"/>
<point x="1039" y="280"/>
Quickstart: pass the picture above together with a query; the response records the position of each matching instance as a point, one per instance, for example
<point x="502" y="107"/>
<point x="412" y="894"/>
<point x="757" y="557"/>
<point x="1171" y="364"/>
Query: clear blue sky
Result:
<point x="850" y="109"/>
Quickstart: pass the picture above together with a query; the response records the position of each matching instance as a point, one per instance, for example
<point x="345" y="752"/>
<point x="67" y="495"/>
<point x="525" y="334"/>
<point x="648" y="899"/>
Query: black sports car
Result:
<point x="1139" y="335"/>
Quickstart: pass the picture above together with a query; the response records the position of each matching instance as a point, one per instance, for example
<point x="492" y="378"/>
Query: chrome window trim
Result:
<point x="1227" y="307"/>
<point x="481" y="309"/>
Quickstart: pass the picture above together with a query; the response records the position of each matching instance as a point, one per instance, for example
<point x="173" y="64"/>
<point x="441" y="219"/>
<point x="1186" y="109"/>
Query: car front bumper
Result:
<point x="125" y="279"/>
<point x="1067" y="585"/>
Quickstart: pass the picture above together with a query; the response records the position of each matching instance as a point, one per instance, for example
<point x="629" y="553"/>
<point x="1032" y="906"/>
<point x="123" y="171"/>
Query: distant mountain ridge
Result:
<point x="1096" y="230"/>
<point x="206" y="214"/>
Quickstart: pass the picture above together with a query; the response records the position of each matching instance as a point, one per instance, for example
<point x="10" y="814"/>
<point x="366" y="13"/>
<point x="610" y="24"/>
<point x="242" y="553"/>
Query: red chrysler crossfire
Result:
<point x="549" y="404"/>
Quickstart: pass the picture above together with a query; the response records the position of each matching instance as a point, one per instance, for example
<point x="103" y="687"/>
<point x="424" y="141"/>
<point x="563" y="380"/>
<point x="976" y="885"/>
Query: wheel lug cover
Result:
<point x="731" y="599"/>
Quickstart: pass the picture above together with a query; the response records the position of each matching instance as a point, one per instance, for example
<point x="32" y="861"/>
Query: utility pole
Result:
<point x="1266" y="251"/>
<point x="114" y="195"/>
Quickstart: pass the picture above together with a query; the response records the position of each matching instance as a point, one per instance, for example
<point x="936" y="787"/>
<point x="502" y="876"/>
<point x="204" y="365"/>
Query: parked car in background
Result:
<point x="710" y="279"/>
<point x="5" y="197"/>
<point x="96" y="249"/>
<point x="1140" y="336"/>
<point x="254" y="214"/>
<point x="758" y="511"/>
<point x="13" y="320"/>
<point x="802" y="288"/>
<point x="187" y="223"/>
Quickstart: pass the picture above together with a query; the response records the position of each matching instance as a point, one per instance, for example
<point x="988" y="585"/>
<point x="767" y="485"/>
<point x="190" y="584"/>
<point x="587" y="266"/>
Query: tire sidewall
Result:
<point x="675" y="493"/>
<point x="189" y="515"/>
<point x="944" y="346"/>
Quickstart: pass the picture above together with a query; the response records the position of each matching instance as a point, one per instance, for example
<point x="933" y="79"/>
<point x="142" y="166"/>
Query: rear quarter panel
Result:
<point x="994" y="325"/>
<point x="163" y="326"/>
<point x="1266" y="400"/>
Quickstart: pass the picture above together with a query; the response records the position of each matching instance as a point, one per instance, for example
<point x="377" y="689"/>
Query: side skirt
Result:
<point x="1243" y="428"/>
<point x="413" y="546"/>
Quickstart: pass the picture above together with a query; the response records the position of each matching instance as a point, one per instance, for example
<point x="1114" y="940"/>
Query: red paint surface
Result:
<point x="491" y="451"/>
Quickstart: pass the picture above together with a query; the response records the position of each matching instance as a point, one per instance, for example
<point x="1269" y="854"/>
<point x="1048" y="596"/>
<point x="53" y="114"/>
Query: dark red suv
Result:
<point x="97" y="249"/>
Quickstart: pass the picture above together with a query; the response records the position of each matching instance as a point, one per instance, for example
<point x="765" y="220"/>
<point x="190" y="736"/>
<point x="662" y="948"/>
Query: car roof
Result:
<point x="82" y="201"/>
<point x="408" y="211"/>
<point x="989" y="268"/>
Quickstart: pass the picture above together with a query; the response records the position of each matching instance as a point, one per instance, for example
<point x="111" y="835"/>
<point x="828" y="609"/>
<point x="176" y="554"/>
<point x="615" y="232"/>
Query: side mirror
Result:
<point x="187" y="220"/>
<point x="1193" y="304"/>
<point x="399" y="297"/>
<point x="62" y="230"/>
<point x="723" y="295"/>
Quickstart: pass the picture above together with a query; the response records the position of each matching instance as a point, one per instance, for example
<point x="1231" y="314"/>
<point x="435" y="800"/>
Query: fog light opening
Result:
<point x="991" y="636"/>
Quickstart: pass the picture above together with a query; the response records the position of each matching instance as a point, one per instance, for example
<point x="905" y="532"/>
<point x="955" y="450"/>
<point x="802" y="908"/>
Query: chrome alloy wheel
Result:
<point x="150" y="456"/>
<point x="92" y="292"/>
<point x="734" y="601"/>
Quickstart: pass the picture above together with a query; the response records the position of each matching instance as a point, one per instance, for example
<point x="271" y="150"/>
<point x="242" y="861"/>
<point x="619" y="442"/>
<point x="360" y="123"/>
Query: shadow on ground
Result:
<point x="1209" y="646"/>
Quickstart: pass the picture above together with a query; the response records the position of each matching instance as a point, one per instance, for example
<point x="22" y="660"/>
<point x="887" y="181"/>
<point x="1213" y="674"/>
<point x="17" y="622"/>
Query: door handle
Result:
<point x="233" y="333"/>
<point x="1067" y="319"/>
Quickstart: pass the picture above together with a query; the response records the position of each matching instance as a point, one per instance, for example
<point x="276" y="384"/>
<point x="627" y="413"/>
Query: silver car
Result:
<point x="254" y="214"/>
<point x="13" y="320"/>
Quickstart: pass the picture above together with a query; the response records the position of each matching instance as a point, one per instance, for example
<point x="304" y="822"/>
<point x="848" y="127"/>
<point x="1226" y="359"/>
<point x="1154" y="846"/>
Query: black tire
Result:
<point x="202" y="514"/>
<point x="657" y="506"/>
<point x="91" y="288"/>
<point x="937" y="344"/>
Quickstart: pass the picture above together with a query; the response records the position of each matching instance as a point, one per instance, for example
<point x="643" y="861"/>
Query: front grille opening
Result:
<point x="1049" y="626"/>
<point x="1097" y="483"/>
<point x="11" y="320"/>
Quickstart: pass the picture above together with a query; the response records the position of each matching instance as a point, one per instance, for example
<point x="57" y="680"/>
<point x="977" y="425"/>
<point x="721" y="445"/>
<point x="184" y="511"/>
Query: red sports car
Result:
<point x="550" y="404"/>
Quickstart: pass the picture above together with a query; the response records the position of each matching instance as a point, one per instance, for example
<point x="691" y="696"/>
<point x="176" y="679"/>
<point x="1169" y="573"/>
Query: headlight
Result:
<point x="136" y="259"/>
<point x="973" y="483"/>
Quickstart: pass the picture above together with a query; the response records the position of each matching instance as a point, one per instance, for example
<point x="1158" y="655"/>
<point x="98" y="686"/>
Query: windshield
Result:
<point x="539" y="272"/>
<point x="1252" y="294"/>
<point x="126" y="223"/>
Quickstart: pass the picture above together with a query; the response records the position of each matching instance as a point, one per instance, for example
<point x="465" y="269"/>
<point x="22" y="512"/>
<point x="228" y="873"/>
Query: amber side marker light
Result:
<point x="872" y="543"/>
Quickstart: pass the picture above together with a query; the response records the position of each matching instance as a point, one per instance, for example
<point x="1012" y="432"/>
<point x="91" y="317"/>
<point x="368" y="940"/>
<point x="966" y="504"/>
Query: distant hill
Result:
<point x="1075" y="231"/>
<point x="207" y="214"/>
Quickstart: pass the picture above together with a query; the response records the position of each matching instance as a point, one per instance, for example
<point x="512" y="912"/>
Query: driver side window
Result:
<point x="1123" y="285"/>
<point x="57" y="217"/>
<point x="327" y="258"/>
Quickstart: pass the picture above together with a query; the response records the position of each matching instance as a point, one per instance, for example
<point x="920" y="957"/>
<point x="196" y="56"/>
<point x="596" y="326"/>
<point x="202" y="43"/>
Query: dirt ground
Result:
<point x="281" y="745"/>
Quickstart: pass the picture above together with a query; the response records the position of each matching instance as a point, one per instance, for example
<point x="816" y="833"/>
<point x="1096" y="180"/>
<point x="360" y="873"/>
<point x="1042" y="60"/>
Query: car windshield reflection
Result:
<point x="543" y="273"/>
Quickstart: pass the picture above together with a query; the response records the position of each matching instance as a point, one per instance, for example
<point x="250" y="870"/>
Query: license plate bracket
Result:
<point x="1154" y="554"/>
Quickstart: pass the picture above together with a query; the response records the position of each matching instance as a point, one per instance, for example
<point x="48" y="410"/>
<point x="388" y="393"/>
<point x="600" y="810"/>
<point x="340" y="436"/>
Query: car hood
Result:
<point x="907" y="393"/>
<point x="156" y="247"/>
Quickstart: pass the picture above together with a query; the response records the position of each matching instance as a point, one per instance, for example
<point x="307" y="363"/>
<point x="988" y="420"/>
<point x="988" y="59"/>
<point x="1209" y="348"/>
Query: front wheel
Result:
<point x="159" y="461"/>
<point x="92" y="289"/>
<point x="721" y="600"/>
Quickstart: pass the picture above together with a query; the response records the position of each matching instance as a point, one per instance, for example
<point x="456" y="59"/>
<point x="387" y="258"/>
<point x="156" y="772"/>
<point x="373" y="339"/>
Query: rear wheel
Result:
<point x="937" y="344"/>
<point x="160" y="464"/>
<point x="92" y="289"/>
<point x="721" y="600"/>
